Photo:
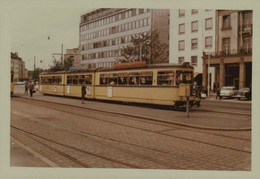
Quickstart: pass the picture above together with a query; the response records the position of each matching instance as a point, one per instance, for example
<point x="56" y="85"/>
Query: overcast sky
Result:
<point x="32" y="22"/>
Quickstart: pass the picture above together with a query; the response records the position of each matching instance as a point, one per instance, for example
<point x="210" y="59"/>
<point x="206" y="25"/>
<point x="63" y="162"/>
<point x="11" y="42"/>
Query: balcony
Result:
<point x="246" y="29"/>
<point x="229" y="53"/>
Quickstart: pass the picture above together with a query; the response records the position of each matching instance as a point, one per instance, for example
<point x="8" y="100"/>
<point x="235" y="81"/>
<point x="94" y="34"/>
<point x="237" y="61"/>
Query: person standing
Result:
<point x="31" y="88"/>
<point x="83" y="92"/>
<point x="218" y="94"/>
<point x="26" y="87"/>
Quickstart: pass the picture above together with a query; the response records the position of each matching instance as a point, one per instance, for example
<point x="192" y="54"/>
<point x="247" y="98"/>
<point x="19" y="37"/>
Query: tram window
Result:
<point x="89" y="79"/>
<point x="49" y="81"/>
<point x="165" y="78"/>
<point x="57" y="80"/>
<point x="184" y="77"/>
<point x="112" y="80"/>
<point x="134" y="79"/>
<point x="146" y="78"/>
<point x="75" y="79"/>
<point x="82" y="79"/>
<point x="103" y="79"/>
<point x="122" y="78"/>
<point x="69" y="80"/>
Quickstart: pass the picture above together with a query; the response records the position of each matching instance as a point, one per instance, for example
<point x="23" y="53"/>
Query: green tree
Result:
<point x="59" y="66"/>
<point x="68" y="63"/>
<point x="146" y="47"/>
<point x="36" y="73"/>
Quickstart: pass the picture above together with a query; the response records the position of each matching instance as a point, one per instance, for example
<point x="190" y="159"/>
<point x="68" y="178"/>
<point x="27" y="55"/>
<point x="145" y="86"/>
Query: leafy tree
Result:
<point x="146" y="47"/>
<point x="36" y="73"/>
<point x="59" y="66"/>
<point x="68" y="63"/>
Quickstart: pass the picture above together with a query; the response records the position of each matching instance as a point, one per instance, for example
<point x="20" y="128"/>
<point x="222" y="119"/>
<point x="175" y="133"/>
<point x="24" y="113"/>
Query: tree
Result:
<point x="36" y="73"/>
<point x="68" y="63"/>
<point x="145" y="47"/>
<point x="58" y="66"/>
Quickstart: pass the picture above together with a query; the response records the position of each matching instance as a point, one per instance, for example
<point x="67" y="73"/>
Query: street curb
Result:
<point x="154" y="119"/>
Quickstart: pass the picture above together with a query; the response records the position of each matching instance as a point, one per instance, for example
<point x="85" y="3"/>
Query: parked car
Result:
<point x="243" y="93"/>
<point x="227" y="91"/>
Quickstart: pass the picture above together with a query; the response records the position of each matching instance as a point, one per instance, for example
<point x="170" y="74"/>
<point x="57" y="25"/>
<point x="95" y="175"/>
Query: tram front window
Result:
<point x="184" y="77"/>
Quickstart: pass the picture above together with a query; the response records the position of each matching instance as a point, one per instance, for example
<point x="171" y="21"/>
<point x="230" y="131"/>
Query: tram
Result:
<point x="161" y="84"/>
<point x="12" y="83"/>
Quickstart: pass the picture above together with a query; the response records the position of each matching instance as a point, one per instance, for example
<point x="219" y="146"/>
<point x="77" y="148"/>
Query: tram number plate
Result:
<point x="109" y="91"/>
<point x="68" y="89"/>
<point x="88" y="90"/>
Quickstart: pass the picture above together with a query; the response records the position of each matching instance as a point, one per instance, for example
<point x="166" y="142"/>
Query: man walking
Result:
<point x="218" y="94"/>
<point x="31" y="88"/>
<point x="26" y="87"/>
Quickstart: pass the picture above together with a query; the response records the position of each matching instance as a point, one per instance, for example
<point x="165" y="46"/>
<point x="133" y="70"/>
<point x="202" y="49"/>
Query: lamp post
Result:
<point x="208" y="73"/>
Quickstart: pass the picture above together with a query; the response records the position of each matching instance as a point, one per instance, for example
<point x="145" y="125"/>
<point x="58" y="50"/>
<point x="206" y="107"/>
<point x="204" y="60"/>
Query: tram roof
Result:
<point x="148" y="66"/>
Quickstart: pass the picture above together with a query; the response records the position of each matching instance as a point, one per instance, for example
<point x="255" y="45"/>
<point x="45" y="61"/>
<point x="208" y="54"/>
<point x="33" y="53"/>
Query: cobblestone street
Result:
<point x="69" y="136"/>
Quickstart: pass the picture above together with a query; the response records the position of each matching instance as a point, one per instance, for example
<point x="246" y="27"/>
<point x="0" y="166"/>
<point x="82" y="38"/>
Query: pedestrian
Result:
<point x="214" y="87"/>
<point x="218" y="94"/>
<point x="31" y="88"/>
<point x="26" y="87"/>
<point x="83" y="92"/>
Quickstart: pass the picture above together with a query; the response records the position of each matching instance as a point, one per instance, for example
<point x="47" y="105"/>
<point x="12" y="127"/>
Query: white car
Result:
<point x="227" y="91"/>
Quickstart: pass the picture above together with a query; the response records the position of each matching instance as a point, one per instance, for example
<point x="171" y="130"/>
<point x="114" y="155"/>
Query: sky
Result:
<point x="32" y="22"/>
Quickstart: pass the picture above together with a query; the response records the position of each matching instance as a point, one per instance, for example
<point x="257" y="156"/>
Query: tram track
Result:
<point x="149" y="118"/>
<point x="86" y="134"/>
<point x="162" y="123"/>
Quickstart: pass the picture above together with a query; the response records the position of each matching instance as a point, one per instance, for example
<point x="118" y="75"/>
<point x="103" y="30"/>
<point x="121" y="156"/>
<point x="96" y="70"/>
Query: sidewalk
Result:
<point x="212" y="97"/>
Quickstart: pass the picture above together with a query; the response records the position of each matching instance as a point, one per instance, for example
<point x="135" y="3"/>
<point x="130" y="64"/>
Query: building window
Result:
<point x="226" y="22"/>
<point x="181" y="60"/>
<point x="141" y="11"/>
<point x="194" y="44"/>
<point x="246" y="44"/>
<point x="207" y="10"/>
<point x="194" y="11"/>
<point x="208" y="24"/>
<point x="226" y="46"/>
<point x="181" y="45"/>
<point x="247" y="18"/>
<point x="194" y="26"/>
<point x="181" y="28"/>
<point x="181" y="12"/>
<point x="208" y="42"/>
<point x="194" y="60"/>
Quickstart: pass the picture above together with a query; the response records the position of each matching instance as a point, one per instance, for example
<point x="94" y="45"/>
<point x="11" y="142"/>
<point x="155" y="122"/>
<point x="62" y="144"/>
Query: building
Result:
<point x="104" y="31"/>
<point x="192" y="33"/>
<point x="74" y="54"/>
<point x="232" y="59"/>
<point x="18" y="67"/>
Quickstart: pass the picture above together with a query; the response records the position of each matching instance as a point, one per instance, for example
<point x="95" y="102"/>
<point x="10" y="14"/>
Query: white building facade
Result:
<point x="104" y="31"/>
<point x="192" y="32"/>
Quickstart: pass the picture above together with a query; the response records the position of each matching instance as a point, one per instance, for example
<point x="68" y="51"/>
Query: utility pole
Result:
<point x="62" y="62"/>
<point x="34" y="63"/>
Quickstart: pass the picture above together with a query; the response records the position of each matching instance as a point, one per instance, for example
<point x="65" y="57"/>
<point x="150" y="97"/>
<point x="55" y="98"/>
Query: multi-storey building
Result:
<point x="232" y="59"/>
<point x="104" y="31"/>
<point x="192" y="33"/>
<point x="74" y="54"/>
<point x="18" y="67"/>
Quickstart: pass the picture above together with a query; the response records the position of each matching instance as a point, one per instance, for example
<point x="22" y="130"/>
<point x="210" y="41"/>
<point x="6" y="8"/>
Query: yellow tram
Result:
<point x="162" y="84"/>
<point x="12" y="83"/>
